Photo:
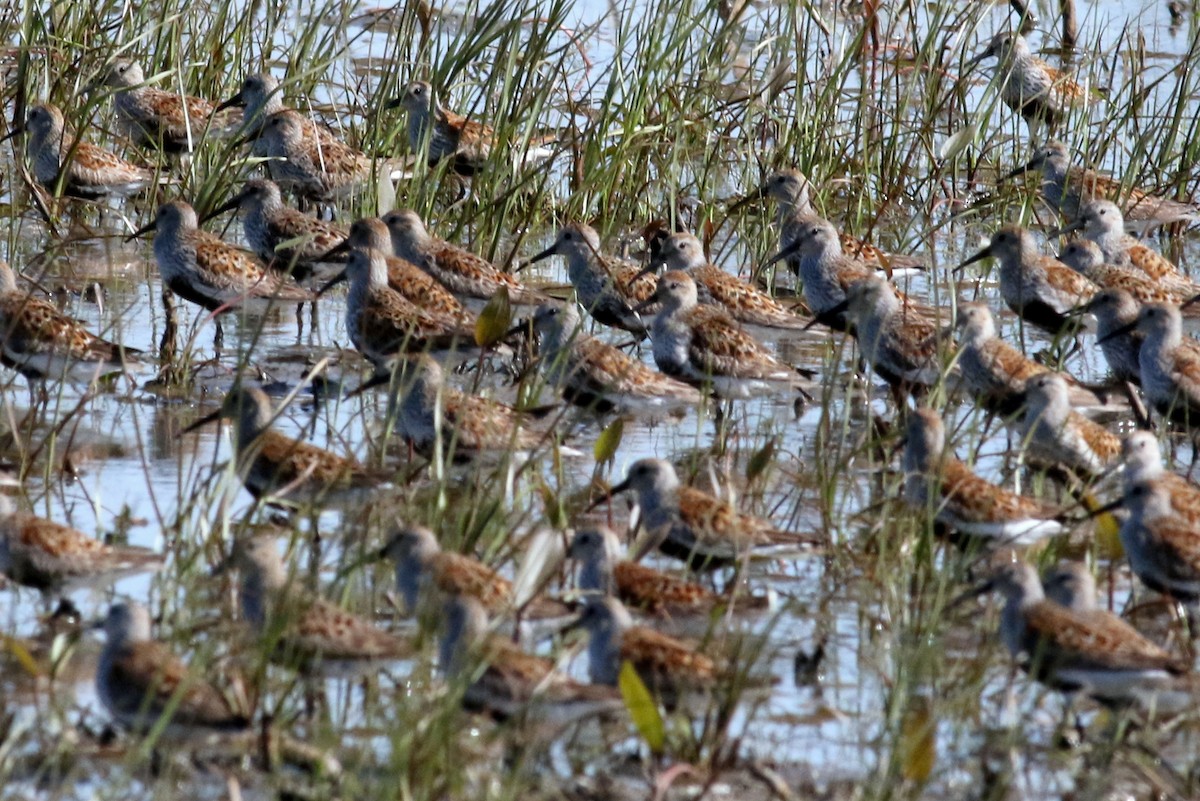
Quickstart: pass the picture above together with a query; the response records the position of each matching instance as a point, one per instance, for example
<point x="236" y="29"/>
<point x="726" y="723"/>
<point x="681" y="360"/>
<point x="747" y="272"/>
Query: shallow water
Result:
<point x="156" y="485"/>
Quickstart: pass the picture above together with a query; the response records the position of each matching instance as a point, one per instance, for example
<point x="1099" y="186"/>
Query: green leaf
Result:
<point x="608" y="441"/>
<point x="642" y="708"/>
<point x="495" y="319"/>
<point x="760" y="460"/>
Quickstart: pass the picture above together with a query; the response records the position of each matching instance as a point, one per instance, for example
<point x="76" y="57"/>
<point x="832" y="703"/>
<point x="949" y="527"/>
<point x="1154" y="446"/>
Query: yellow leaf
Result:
<point x="608" y="441"/>
<point x="494" y="320"/>
<point x="642" y="708"/>
<point x="1108" y="530"/>
<point x="918" y="742"/>
<point x="21" y="654"/>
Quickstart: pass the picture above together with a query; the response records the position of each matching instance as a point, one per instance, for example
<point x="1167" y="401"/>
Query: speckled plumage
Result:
<point x="56" y="153"/>
<point x="157" y="118"/>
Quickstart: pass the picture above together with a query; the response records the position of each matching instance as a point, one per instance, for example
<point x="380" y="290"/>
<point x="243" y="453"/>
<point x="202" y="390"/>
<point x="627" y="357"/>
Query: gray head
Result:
<point x="817" y="237"/>
<point x="1148" y="500"/>
<point x="789" y="187"/>
<point x="1012" y="243"/>
<point x="556" y="323"/>
<point x="1051" y="157"/>
<point x="260" y="95"/>
<point x="178" y="216"/>
<point x="412" y="549"/>
<point x="407" y="230"/>
<point x="870" y="297"/>
<point x="1004" y="46"/>
<point x="260" y="193"/>
<point x="924" y="441"/>
<point x="465" y="623"/>
<point x="649" y="478"/>
<point x="575" y="241"/>
<point x="1114" y="307"/>
<point x="1048" y="398"/>
<point x="683" y="251"/>
<point x="45" y="123"/>
<point x="676" y="291"/>
<point x="1082" y="255"/>
<point x="1102" y="218"/>
<point x="597" y="550"/>
<point x="249" y="407"/>
<point x="1018" y="582"/>
<point x="1071" y="584"/>
<point x="126" y="623"/>
<point x="370" y="232"/>
<point x="976" y="323"/>
<point x="284" y="129"/>
<point x="1161" y="319"/>
<point x="417" y="96"/>
<point x="124" y="74"/>
<point x="1142" y="457"/>
<point x="606" y="621"/>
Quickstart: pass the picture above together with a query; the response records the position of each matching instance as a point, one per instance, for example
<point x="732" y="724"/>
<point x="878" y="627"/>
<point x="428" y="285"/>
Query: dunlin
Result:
<point x="416" y="284"/>
<point x="201" y="267"/>
<point x="825" y="271"/>
<point x="899" y="343"/>
<point x="281" y="469"/>
<point x="430" y="414"/>
<point x="62" y="162"/>
<point x="1055" y="435"/>
<point x="41" y="342"/>
<point x="468" y="143"/>
<point x="744" y="302"/>
<point x="1103" y="223"/>
<point x="702" y="530"/>
<point x="320" y="171"/>
<point x="1032" y="88"/>
<point x="458" y="269"/>
<point x="1168" y="364"/>
<point x="605" y="292"/>
<point x="1116" y="314"/>
<point x="421" y="564"/>
<point x="669" y="667"/>
<point x="260" y="99"/>
<point x="704" y="346"/>
<point x="158" y="118"/>
<point x="383" y="324"/>
<point x="993" y="370"/>
<point x="51" y="557"/>
<point x="1039" y="289"/>
<point x="1071" y="584"/>
<point x="511" y="681"/>
<point x="1067" y="188"/>
<point x="1085" y="257"/>
<point x="285" y="238"/>
<point x="959" y="499"/>
<point x="141" y="682"/>
<point x="1091" y="651"/>
<point x="595" y="374"/>
<point x="792" y="192"/>
<point x="1143" y="463"/>
<point x="1162" y="542"/>
<point x="603" y="571"/>
<point x="301" y="629"/>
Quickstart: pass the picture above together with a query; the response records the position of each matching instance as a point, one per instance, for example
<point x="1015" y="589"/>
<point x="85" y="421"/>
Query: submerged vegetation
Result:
<point x="846" y="661"/>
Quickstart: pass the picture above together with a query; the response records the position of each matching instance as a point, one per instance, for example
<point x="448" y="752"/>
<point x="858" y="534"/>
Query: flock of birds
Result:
<point x="412" y="293"/>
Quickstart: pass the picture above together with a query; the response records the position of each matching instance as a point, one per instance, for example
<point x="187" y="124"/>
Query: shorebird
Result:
<point x="899" y="343"/>
<point x="1168" y="364"/>
<point x="1054" y="434"/>
<point x="1116" y="313"/>
<point x="689" y="524"/>
<point x="1068" y="188"/>
<point x="597" y="375"/>
<point x="458" y="269"/>
<point x="1103" y="223"/>
<point x="421" y="565"/>
<point x="141" y="682"/>
<point x="62" y="162"/>
<point x="467" y="143"/>
<point x="1040" y="289"/>
<point x="962" y="501"/>
<point x="415" y="284"/>
<point x="1143" y="464"/>
<point x="505" y="681"/>
<point x="300" y="629"/>
<point x="157" y="118"/>
<point x="1161" y="541"/>
<point x="283" y="470"/>
<point x="744" y="302"/>
<point x="792" y="193"/>
<point x="51" y="557"/>
<point x="285" y="238"/>
<point x="1031" y="87"/>
<point x="429" y="414"/>
<point x="603" y="288"/>
<point x="669" y="667"/>
<point x="993" y="370"/>
<point x="260" y="99"/>
<point x="704" y="346"/>
<point x="204" y="269"/>
<point x="40" y="342"/>
<point x="384" y="324"/>
<point x="603" y="571"/>
<point x="1091" y="651"/>
<point x="1071" y="584"/>
<point x="326" y="171"/>
<point x="1085" y="257"/>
